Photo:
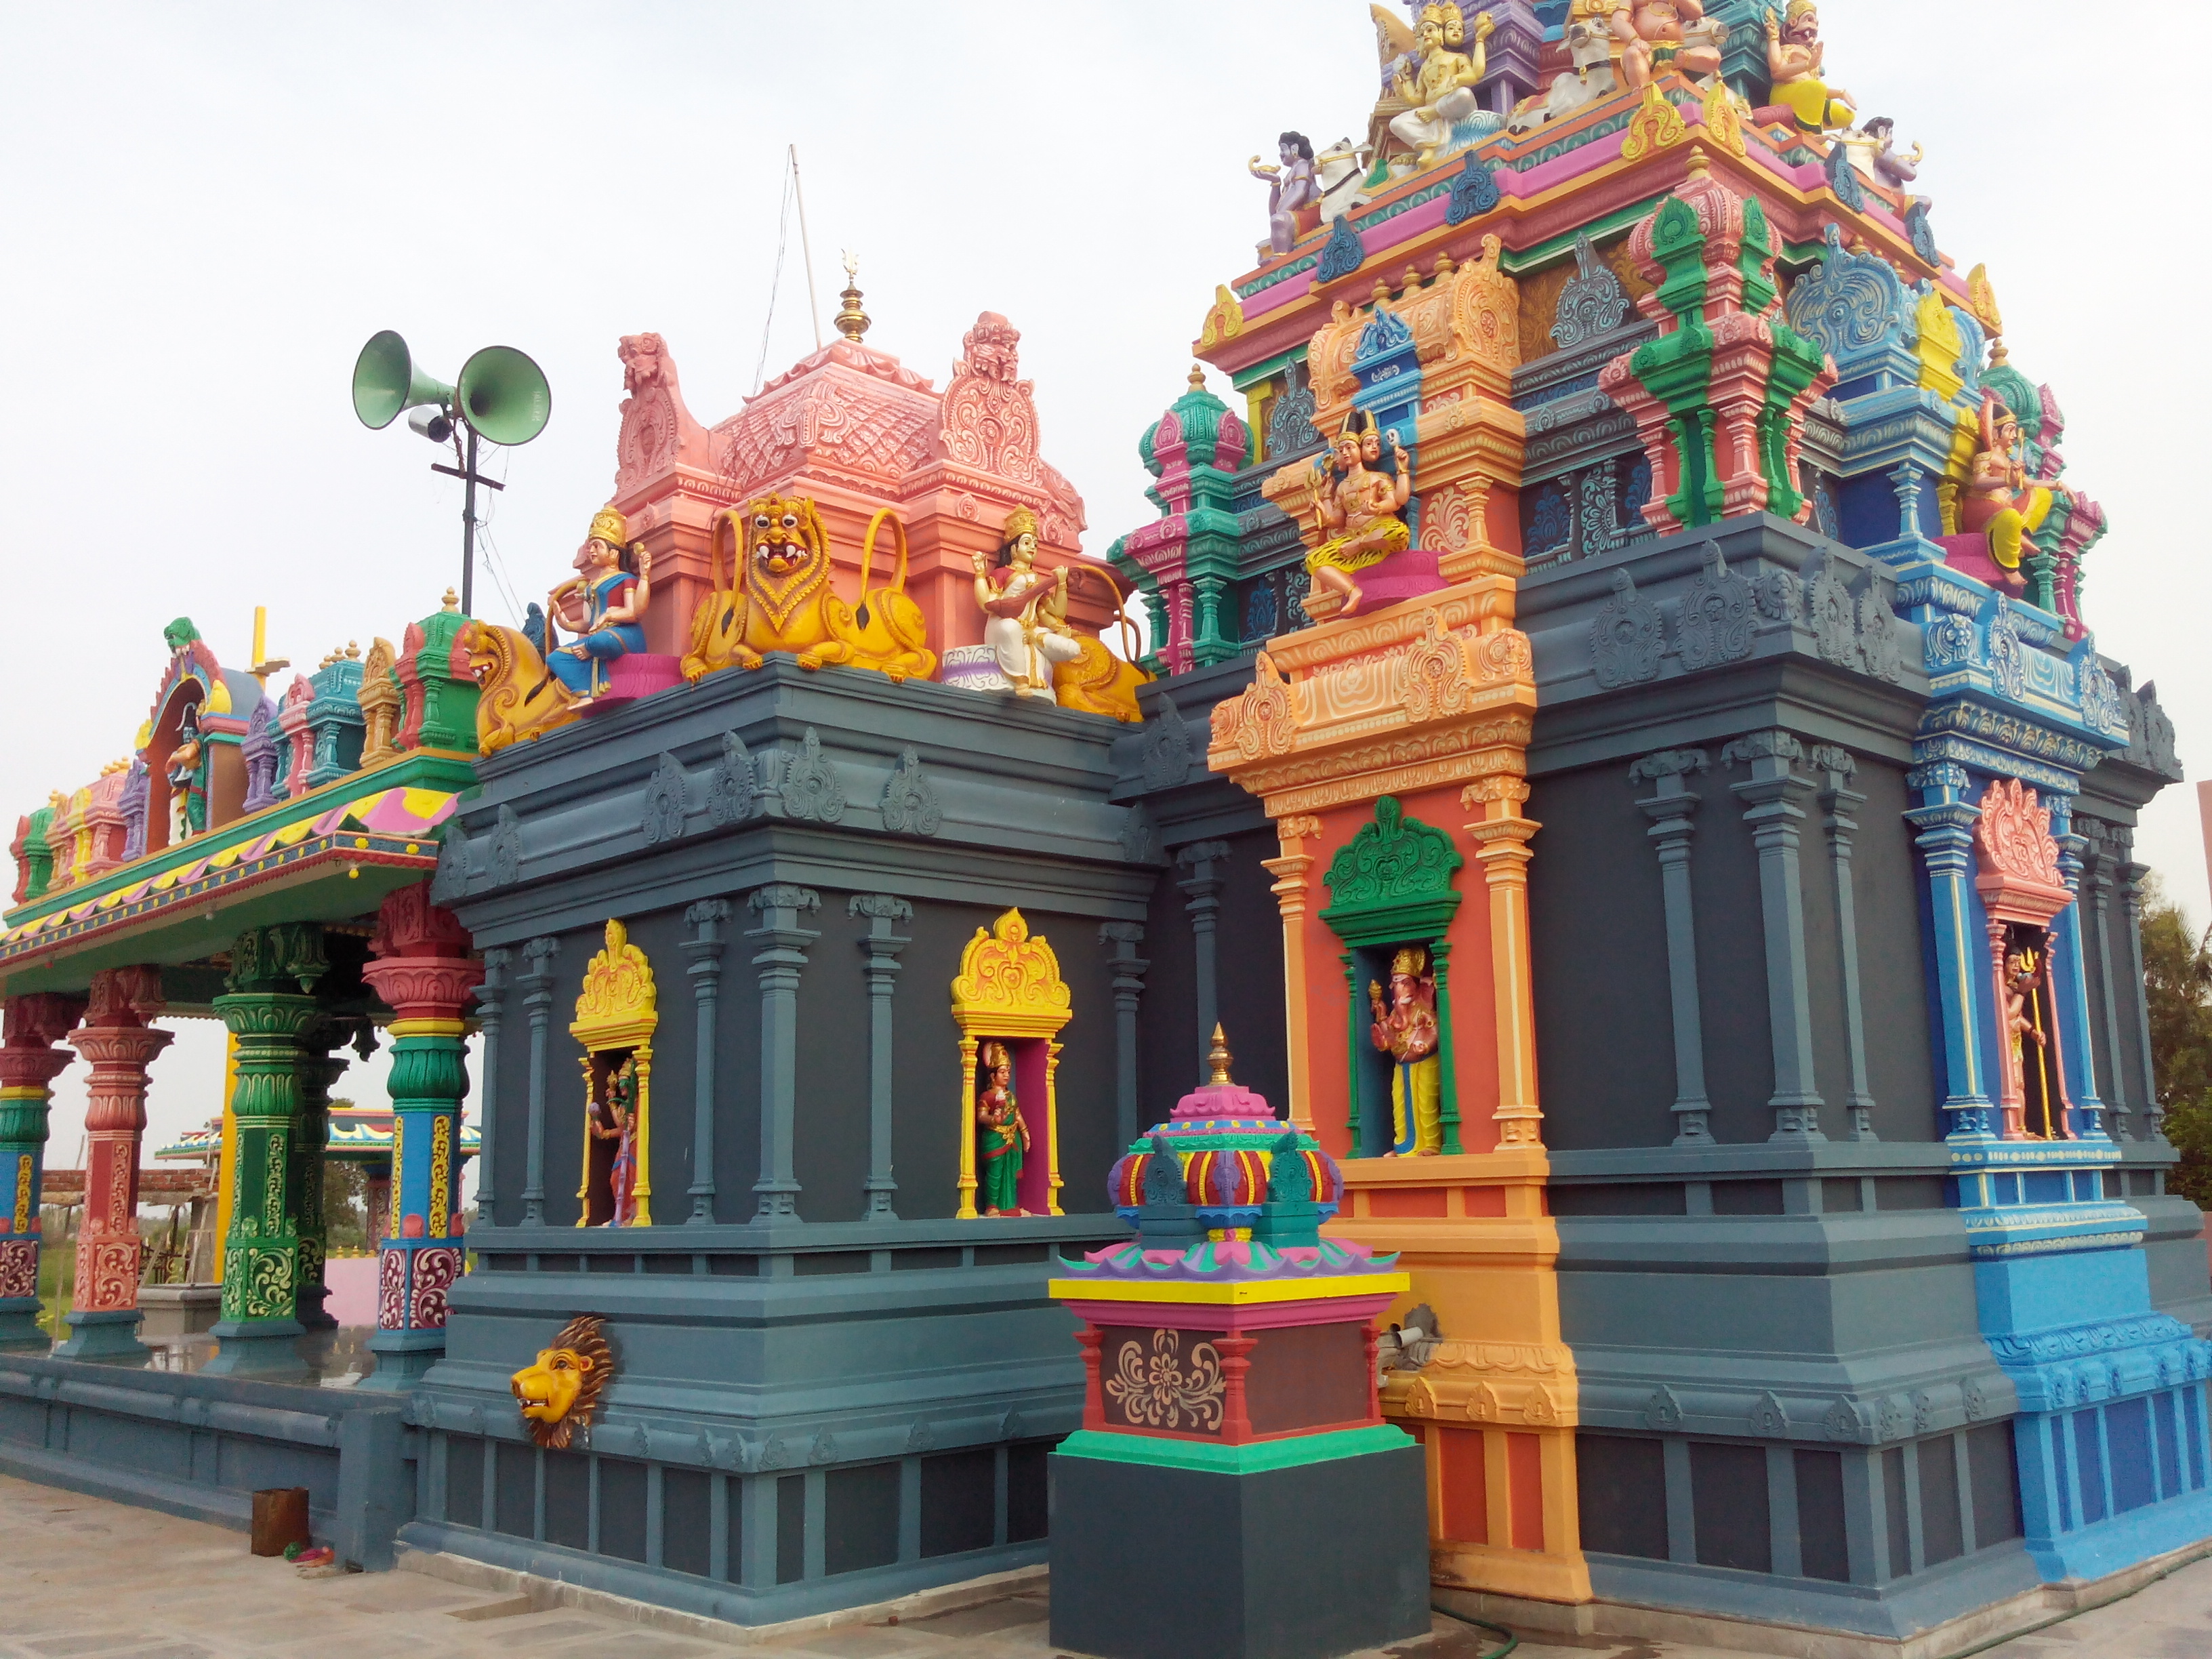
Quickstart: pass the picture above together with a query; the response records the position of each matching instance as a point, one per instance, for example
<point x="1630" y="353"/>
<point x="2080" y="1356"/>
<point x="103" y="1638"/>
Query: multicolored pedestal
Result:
<point x="1230" y="1405"/>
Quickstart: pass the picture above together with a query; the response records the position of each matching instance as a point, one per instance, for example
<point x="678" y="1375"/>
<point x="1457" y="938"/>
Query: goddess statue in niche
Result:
<point x="1002" y="1139"/>
<point x="187" y="789"/>
<point x="1358" y="506"/>
<point x="1405" y="1028"/>
<point x="1027" y="628"/>
<point x="605" y="603"/>
<point x="612" y="1118"/>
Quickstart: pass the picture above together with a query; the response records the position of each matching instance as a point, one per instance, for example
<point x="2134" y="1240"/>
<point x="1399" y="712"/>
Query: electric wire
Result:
<point x="775" y="281"/>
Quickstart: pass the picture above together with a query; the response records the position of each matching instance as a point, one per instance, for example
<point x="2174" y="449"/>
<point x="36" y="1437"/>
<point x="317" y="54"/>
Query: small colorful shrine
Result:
<point x="1618" y="746"/>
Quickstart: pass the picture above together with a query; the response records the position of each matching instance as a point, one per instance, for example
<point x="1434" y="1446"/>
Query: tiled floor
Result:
<point x="80" y="1577"/>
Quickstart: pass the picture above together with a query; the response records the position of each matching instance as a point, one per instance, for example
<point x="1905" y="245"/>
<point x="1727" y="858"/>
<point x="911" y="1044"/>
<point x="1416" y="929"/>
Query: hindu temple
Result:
<point x="857" y="879"/>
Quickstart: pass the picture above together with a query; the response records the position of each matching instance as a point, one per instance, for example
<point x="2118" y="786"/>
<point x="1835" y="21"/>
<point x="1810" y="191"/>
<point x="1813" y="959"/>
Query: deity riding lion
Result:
<point x="780" y="598"/>
<point x="559" y="1393"/>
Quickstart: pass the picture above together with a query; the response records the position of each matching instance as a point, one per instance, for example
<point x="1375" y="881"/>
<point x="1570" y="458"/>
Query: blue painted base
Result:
<point x="104" y="1336"/>
<point x="403" y="1359"/>
<point x="19" y="1325"/>
<point x="2125" y="1540"/>
<point x="260" y="1348"/>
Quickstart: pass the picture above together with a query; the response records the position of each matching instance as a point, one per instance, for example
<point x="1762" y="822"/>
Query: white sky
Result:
<point x="210" y="206"/>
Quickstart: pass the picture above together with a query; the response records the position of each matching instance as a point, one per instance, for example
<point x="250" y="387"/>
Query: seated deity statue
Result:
<point x="1998" y="502"/>
<point x="1404" y="1026"/>
<point x="1661" y="34"/>
<point x="1358" y="505"/>
<point x="1293" y="193"/>
<point x="604" y="604"/>
<point x="1025" y="610"/>
<point x="1592" y="47"/>
<point x="1794" y="62"/>
<point x="1440" y="87"/>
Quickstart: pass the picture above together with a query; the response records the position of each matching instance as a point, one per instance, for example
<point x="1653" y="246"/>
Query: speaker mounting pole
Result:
<point x="470" y="478"/>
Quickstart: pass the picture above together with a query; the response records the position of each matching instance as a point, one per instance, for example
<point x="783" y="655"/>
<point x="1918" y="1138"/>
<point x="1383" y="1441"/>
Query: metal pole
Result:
<point x="469" y="529"/>
<point x="807" y="247"/>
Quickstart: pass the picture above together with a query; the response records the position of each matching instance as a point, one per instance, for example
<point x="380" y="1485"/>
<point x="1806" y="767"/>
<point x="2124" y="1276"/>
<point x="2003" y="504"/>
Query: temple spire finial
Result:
<point x="1218" y="1056"/>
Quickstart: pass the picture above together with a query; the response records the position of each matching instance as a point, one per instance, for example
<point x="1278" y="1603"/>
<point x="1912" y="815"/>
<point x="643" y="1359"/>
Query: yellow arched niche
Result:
<point x="619" y="1010"/>
<point x="1009" y="987"/>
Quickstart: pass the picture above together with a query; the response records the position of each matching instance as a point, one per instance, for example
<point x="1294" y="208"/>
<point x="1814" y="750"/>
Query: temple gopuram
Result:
<point x="1605" y="722"/>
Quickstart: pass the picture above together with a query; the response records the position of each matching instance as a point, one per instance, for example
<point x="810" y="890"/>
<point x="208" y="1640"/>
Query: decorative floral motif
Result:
<point x="1592" y="303"/>
<point x="1157" y="1391"/>
<point x="1343" y="253"/>
<point x="436" y="1270"/>
<point x="19" y="1267"/>
<point x="1435" y="674"/>
<point x="2008" y="657"/>
<point x="1950" y="642"/>
<point x="1834" y="617"/>
<point x="1290" y="421"/>
<point x="1625" y="640"/>
<point x="391" y="1290"/>
<point x="2014" y="834"/>
<point x="1656" y="125"/>
<point x="1392" y="859"/>
<point x="909" y="803"/>
<point x="1005" y="968"/>
<point x="732" y="791"/>
<point x="617" y="982"/>
<point x="1714" y="625"/>
<point x="1473" y="193"/>
<point x="811" y="789"/>
<point x="506" y="847"/>
<point x="1849" y="304"/>
<point x="663" y="817"/>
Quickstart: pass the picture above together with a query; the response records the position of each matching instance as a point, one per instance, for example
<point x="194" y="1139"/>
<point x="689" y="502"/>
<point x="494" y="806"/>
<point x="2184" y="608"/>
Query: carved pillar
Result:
<point x="1501" y="836"/>
<point x="1671" y="811"/>
<point x="491" y="1015"/>
<point x="1946" y="821"/>
<point x="706" y="919"/>
<point x="319" y="1072"/>
<point x="268" y="1008"/>
<point x="2132" y="881"/>
<point x="29" y="1062"/>
<point x="1839" y="801"/>
<point x="881" y="946"/>
<point x="1202" y="899"/>
<point x="1772" y="795"/>
<point x="2099" y="867"/>
<point x="1297" y="832"/>
<point x="1121" y="940"/>
<point x="781" y="956"/>
<point x="535" y="982"/>
<point x="117" y="1040"/>
<point x="424" y="970"/>
<point x="2070" y="974"/>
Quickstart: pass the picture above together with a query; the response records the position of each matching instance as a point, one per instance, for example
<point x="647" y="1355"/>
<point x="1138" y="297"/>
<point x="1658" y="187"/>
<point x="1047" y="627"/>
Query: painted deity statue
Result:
<point x="1293" y="192"/>
<point x="604" y="604"/>
<point x="1662" y="35"/>
<point x="1405" y="1028"/>
<point x="1025" y="610"/>
<point x="1440" y="85"/>
<point x="1002" y="1139"/>
<point x="1794" y="55"/>
<point x="1998" y="502"/>
<point x="1359" y="503"/>
<point x="187" y="791"/>
<point x="614" y="1117"/>
<point x="2023" y="972"/>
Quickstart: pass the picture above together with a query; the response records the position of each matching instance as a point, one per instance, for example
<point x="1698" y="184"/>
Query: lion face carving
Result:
<point x="780" y="598"/>
<point x="561" y="1391"/>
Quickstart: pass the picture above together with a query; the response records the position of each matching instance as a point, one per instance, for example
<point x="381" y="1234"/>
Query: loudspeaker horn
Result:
<point x="504" y="396"/>
<point x="386" y="380"/>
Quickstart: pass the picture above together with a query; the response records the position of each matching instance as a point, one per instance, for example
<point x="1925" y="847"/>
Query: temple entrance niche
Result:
<point x="1010" y="1004"/>
<point x="617" y="1014"/>
<point x="1391" y="902"/>
<point x="2022" y="891"/>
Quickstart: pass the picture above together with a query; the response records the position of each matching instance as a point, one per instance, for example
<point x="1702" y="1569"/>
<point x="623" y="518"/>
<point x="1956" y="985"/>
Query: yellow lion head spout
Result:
<point x="559" y="1393"/>
<point x="782" y="538"/>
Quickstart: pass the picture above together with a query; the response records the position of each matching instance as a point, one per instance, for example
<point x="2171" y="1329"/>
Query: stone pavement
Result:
<point x="88" y="1579"/>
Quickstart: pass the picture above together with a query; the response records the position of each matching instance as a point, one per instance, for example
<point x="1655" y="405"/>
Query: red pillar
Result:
<point x="29" y="1063"/>
<point x="118" y="1039"/>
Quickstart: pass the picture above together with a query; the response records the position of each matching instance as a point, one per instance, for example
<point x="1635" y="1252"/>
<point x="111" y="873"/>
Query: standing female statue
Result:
<point x="1002" y="1139"/>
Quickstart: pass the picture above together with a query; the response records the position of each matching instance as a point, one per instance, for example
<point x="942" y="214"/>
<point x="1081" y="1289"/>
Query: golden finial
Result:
<point x="851" y="321"/>
<point x="353" y="651"/>
<point x="451" y="602"/>
<point x="1217" y="1056"/>
<point x="1197" y="378"/>
<point x="1699" y="162"/>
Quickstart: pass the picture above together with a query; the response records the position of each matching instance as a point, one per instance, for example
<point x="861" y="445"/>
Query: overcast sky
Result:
<point x="210" y="206"/>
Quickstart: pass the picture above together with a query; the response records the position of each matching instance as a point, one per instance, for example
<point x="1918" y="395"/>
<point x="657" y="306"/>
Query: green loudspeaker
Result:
<point x="385" y="381"/>
<point x="504" y="395"/>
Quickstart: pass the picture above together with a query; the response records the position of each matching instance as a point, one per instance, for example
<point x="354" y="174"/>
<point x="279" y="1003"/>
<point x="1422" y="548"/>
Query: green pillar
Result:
<point x="268" y="1010"/>
<point x="319" y="1071"/>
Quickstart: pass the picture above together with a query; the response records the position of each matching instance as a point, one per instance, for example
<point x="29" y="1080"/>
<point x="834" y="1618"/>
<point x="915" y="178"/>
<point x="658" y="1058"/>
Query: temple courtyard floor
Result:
<point x="88" y="1579"/>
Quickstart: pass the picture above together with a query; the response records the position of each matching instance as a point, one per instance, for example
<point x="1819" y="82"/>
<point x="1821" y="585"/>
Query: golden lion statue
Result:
<point x="517" y="696"/>
<point x="779" y="599"/>
<point x="1096" y="681"/>
<point x="559" y="1394"/>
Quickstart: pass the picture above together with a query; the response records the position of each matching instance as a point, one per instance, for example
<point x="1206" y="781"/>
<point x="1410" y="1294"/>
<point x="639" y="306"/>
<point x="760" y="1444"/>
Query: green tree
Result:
<point x="2177" y="988"/>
